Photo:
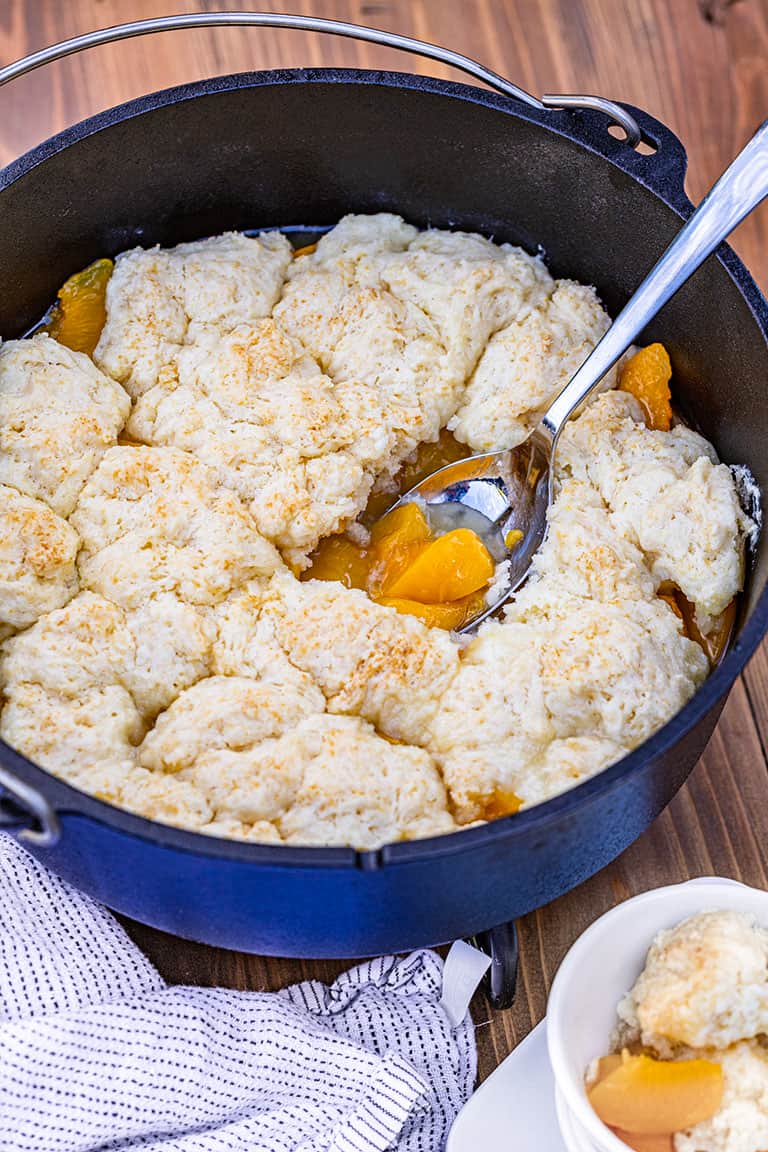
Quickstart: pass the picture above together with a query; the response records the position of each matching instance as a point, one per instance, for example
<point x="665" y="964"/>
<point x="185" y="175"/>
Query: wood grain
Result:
<point x="698" y="65"/>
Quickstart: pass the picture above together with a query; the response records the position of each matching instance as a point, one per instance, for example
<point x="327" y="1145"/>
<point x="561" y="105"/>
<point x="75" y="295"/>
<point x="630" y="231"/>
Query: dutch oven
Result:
<point x="297" y="149"/>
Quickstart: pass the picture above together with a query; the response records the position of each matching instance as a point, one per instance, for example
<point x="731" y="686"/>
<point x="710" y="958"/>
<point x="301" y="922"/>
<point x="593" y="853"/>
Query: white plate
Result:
<point x="514" y="1109"/>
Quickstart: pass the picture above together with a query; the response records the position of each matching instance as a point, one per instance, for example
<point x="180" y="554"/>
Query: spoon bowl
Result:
<point x="510" y="491"/>
<point x="493" y="494"/>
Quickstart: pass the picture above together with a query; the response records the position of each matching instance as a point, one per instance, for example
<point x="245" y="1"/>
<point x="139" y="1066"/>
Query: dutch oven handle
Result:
<point x="615" y="112"/>
<point x="26" y="812"/>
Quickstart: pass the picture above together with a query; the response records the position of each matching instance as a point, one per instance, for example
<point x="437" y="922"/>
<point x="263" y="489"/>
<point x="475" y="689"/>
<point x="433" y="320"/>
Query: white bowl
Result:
<point x="599" y="969"/>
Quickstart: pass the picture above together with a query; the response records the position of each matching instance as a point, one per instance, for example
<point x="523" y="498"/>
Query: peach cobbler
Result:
<point x="208" y="620"/>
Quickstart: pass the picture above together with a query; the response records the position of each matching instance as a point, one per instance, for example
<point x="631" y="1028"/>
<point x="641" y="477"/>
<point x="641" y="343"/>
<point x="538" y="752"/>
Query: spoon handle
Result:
<point x="740" y="189"/>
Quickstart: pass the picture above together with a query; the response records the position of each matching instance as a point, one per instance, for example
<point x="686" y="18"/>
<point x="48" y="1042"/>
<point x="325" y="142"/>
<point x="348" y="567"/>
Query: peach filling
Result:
<point x="427" y="458"/>
<point x="714" y="642"/>
<point x="306" y="250"/>
<point x="500" y="802"/>
<point x="80" y="311"/>
<point x="440" y="579"/>
<point x="646" y="376"/>
<point x="645" y="1101"/>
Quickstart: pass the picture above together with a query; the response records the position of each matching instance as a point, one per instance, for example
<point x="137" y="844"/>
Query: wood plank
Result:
<point x="756" y="682"/>
<point x="698" y="65"/>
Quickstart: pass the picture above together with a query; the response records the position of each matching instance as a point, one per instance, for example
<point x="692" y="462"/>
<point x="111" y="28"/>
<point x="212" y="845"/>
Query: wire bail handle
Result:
<point x="615" y="112"/>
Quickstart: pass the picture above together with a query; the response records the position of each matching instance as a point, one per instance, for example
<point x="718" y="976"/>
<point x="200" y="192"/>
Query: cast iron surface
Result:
<point x="304" y="147"/>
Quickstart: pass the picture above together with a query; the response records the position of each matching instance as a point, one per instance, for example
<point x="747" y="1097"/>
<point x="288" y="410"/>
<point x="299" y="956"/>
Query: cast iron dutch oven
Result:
<point x="301" y="148"/>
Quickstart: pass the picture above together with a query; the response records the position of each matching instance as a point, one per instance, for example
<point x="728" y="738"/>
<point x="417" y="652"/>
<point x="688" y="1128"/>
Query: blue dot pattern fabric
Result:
<point x="98" y="1053"/>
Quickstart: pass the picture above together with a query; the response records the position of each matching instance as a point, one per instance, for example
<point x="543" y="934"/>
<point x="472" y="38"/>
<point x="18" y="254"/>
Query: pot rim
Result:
<point x="589" y="131"/>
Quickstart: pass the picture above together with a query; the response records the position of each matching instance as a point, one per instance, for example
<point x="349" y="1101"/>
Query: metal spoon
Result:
<point x="499" y="492"/>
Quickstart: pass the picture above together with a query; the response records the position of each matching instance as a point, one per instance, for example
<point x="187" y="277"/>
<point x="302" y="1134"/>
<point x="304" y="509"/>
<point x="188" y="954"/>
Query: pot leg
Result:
<point x="500" y="981"/>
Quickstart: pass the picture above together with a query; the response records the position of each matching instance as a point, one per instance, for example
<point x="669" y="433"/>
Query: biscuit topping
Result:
<point x="207" y="617"/>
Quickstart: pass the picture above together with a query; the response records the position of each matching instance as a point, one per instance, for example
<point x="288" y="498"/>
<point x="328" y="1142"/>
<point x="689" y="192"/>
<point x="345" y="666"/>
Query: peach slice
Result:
<point x="407" y="522"/>
<point x="449" y="615"/>
<point x="438" y="580"/>
<point x="451" y="567"/>
<point x="396" y="540"/>
<point x="606" y="1065"/>
<point x="81" y="309"/>
<point x="654" y="1143"/>
<point x="337" y="558"/>
<point x="652" y="1097"/>
<point x="646" y="376"/>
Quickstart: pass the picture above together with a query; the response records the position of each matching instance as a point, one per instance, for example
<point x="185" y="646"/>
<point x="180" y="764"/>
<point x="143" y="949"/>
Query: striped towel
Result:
<point x="98" y="1052"/>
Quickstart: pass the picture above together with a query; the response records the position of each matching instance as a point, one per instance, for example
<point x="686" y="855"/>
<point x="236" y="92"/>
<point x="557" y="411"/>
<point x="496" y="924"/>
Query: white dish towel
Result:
<point x="98" y="1052"/>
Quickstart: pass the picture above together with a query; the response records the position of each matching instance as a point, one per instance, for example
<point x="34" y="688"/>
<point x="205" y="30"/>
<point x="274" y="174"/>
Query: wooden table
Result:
<point x="700" y="67"/>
